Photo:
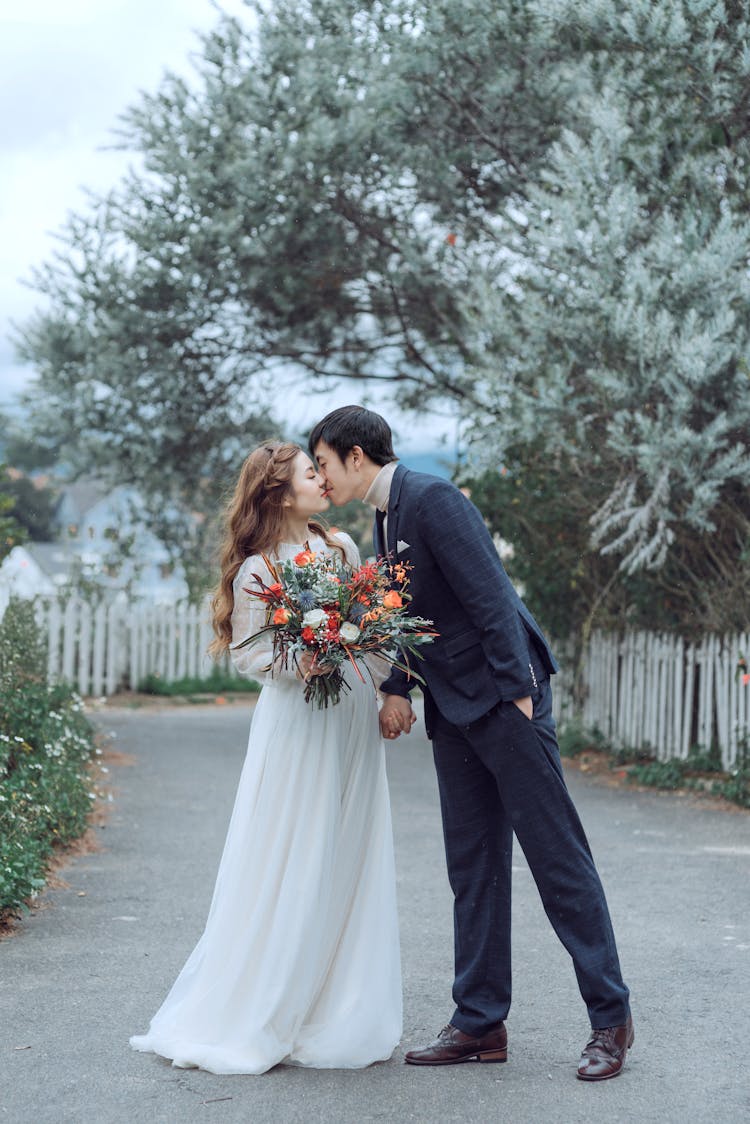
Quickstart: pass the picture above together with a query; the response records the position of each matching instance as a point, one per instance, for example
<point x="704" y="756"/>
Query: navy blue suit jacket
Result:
<point x="490" y="648"/>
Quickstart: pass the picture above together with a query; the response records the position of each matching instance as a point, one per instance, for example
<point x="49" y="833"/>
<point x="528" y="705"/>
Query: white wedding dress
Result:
<point x="299" y="961"/>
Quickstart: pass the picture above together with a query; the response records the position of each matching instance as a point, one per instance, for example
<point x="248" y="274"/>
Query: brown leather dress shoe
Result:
<point x="605" y="1051"/>
<point x="452" y="1046"/>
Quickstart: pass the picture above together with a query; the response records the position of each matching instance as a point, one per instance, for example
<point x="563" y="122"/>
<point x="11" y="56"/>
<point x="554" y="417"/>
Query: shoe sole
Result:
<point x="485" y="1056"/>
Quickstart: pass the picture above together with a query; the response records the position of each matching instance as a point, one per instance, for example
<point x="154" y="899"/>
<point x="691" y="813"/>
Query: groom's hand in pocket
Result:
<point x="396" y="717"/>
<point x="526" y="706"/>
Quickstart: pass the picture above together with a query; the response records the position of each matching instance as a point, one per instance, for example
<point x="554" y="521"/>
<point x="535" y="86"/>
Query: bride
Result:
<point x="299" y="960"/>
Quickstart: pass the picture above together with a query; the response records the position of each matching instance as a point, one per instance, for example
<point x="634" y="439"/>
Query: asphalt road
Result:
<point x="83" y="974"/>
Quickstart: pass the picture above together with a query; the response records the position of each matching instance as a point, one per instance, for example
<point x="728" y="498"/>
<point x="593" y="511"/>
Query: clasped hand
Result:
<point x="396" y="717"/>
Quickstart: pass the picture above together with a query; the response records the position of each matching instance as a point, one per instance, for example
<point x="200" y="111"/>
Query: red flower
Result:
<point x="276" y="589"/>
<point x="746" y="679"/>
<point x="308" y="634"/>
<point x="450" y="239"/>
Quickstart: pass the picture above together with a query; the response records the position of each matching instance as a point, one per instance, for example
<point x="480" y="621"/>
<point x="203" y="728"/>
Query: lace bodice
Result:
<point x="249" y="614"/>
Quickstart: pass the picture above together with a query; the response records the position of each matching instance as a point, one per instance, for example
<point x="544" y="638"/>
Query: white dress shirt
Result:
<point x="379" y="493"/>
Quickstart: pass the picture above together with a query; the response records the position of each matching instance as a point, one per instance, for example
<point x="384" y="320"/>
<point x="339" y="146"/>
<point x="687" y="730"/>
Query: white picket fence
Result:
<point x="641" y="690"/>
<point x="114" y="646"/>
<point x="661" y="693"/>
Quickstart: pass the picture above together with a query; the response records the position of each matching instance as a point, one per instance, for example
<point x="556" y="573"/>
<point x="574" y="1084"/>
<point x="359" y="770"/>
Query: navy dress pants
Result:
<point x="503" y="775"/>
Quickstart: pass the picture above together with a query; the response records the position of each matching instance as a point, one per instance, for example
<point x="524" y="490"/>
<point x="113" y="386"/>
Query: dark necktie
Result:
<point x="380" y="532"/>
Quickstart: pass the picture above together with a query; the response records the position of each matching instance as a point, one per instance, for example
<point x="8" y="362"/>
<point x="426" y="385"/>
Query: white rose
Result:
<point x="348" y="632"/>
<point x="315" y="618"/>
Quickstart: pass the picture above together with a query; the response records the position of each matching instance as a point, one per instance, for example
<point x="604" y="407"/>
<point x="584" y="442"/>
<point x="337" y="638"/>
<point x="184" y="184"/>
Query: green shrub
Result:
<point x="691" y="773"/>
<point x="574" y="739"/>
<point x="736" y="787"/>
<point x="46" y="743"/>
<point x="704" y="761"/>
<point x="659" y="774"/>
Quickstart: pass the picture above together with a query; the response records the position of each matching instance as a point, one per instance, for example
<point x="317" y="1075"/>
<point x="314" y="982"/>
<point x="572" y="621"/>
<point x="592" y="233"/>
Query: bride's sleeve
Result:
<point x="249" y="617"/>
<point x="350" y="548"/>
<point x="379" y="668"/>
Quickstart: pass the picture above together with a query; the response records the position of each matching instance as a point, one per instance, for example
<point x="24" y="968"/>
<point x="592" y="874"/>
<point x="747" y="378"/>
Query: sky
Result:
<point x="68" y="69"/>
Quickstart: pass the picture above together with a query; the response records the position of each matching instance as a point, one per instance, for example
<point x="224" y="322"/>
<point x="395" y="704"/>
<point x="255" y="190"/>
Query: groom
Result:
<point x="488" y="713"/>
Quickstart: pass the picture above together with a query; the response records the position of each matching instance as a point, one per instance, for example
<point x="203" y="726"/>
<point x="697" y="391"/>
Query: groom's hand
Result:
<point x="525" y="706"/>
<point x="396" y="717"/>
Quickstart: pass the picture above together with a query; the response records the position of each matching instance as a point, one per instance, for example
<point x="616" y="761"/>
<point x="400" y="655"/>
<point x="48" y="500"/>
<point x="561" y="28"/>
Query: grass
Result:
<point x="218" y="683"/>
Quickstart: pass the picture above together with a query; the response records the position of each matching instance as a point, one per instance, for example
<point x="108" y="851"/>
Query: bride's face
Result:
<point x="307" y="494"/>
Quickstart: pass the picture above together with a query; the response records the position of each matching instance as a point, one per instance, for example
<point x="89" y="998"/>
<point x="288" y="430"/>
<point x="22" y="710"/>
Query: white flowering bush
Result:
<point x="46" y="743"/>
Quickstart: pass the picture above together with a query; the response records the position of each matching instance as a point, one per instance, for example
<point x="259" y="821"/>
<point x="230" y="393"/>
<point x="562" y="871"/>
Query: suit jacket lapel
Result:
<point x="391" y="536"/>
<point x="393" y="509"/>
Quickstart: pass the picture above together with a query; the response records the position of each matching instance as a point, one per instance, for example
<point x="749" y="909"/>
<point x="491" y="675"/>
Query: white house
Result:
<point x="94" y="523"/>
<point x="37" y="569"/>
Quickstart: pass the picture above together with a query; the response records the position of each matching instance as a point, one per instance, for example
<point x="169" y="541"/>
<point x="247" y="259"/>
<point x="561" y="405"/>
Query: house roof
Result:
<point x="84" y="494"/>
<point x="52" y="558"/>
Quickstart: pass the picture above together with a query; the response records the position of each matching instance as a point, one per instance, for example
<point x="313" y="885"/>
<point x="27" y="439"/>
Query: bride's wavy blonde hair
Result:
<point x="254" y="522"/>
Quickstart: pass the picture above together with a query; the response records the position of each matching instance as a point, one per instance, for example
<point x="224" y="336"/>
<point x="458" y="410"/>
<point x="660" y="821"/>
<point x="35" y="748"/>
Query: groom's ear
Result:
<point x="357" y="454"/>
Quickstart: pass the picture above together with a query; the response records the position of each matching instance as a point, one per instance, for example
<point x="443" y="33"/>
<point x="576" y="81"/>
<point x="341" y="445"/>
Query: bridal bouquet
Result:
<point x="322" y="606"/>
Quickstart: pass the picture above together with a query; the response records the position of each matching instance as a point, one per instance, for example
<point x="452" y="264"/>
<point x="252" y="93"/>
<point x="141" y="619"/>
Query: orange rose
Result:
<point x="281" y="616"/>
<point x="276" y="589"/>
<point x="304" y="558"/>
<point x="392" y="600"/>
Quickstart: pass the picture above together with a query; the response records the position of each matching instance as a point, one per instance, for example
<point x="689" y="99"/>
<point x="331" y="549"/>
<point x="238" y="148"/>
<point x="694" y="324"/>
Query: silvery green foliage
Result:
<point x="537" y="210"/>
<point x="290" y="214"/>
<point x="624" y="338"/>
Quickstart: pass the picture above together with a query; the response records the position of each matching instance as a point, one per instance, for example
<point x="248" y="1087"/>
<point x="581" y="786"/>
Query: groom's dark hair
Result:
<point x="348" y="426"/>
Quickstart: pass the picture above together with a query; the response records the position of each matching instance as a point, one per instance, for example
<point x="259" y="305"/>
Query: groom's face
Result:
<point x="343" y="481"/>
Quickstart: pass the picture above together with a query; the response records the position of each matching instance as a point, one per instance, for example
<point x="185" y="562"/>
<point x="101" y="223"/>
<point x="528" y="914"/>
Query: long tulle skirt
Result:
<point x="299" y="961"/>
